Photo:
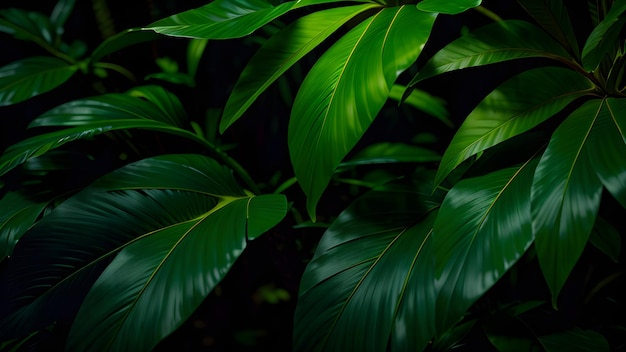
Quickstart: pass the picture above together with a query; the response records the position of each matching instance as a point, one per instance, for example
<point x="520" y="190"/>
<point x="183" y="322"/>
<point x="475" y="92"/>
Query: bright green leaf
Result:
<point x="280" y="52"/>
<point x="449" y="7"/>
<point x="195" y="49"/>
<point x="17" y="214"/>
<point x="483" y="228"/>
<point x="566" y="196"/>
<point x="604" y="39"/>
<point x="552" y="16"/>
<point x="516" y="106"/>
<point x="32" y="76"/>
<point x="337" y="100"/>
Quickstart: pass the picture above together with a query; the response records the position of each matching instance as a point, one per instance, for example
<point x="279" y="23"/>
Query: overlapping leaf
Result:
<point x="514" y="107"/>
<point x="496" y="42"/>
<point x="370" y="283"/>
<point x="449" y="7"/>
<point x="566" y="195"/>
<point x="345" y="90"/>
<point x="552" y="16"/>
<point x="28" y="25"/>
<point x="280" y="52"/>
<point x="603" y="40"/>
<point x="483" y="228"/>
<point x="17" y="214"/>
<point x="32" y="76"/>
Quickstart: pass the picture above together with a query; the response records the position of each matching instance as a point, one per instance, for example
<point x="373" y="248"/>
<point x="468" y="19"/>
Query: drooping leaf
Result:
<point x="603" y="40"/>
<point x="17" y="214"/>
<point x="516" y="106"/>
<point x="495" y="42"/>
<point x="29" y="77"/>
<point x="565" y="196"/>
<point x="346" y="88"/>
<point x="483" y="228"/>
<point x="552" y="16"/>
<point x="371" y="282"/>
<point x="575" y="340"/>
<point x="28" y="25"/>
<point x="280" y="52"/>
<point x="449" y="7"/>
<point x="122" y="40"/>
<point x="385" y="153"/>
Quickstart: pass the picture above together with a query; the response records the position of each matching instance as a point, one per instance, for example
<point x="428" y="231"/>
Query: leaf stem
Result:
<point x="488" y="13"/>
<point x="283" y="186"/>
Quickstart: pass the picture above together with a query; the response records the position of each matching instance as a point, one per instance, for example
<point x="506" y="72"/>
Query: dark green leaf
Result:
<point x="337" y="101"/>
<point x="516" y="106"/>
<point x="280" y="52"/>
<point x="604" y="38"/>
<point x="565" y="196"/>
<point x="17" y="214"/>
<point x="32" y="76"/>
<point x="385" y="153"/>
<point x="483" y="228"/>
<point x="450" y="7"/>
<point x="606" y="238"/>
<point x="28" y="25"/>
<point x="496" y="42"/>
<point x="122" y="40"/>
<point x="552" y="16"/>
<point x="195" y="49"/>
<point x="62" y="10"/>
<point x="422" y="100"/>
<point x="371" y="281"/>
<point x="173" y="77"/>
<point x="575" y="340"/>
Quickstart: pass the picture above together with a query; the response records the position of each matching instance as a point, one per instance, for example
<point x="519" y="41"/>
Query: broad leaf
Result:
<point x="17" y="214"/>
<point x="280" y="52"/>
<point x="449" y="7"/>
<point x="483" y="228"/>
<point x="516" y="106"/>
<point x="370" y="283"/>
<point x="28" y="25"/>
<point x="496" y="42"/>
<point x="566" y="196"/>
<point x="337" y="100"/>
<point x="32" y="76"/>
<point x="603" y="40"/>
<point x="122" y="40"/>
<point x="552" y="16"/>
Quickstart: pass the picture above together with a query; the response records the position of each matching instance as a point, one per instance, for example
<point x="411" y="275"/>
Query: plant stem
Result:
<point x="488" y="13"/>
<point x="117" y="68"/>
<point x="283" y="186"/>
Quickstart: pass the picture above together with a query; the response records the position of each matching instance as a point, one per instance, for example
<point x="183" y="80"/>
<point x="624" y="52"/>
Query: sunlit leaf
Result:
<point x="553" y="17"/>
<point x="516" y="106"/>
<point x="370" y="283"/>
<point x="17" y="214"/>
<point x="483" y="228"/>
<point x="566" y="196"/>
<point x="449" y="7"/>
<point x="280" y="52"/>
<point x="32" y="76"/>
<point x="495" y="42"/>
<point x="603" y="40"/>
<point x="346" y="88"/>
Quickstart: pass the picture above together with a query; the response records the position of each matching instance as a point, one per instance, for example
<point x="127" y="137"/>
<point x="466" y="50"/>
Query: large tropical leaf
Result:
<point x="26" y="78"/>
<point x="280" y="52"/>
<point x="370" y="285"/>
<point x="566" y="196"/>
<point x="483" y="228"/>
<point x="449" y="7"/>
<point x="516" y="106"/>
<point x="17" y="214"/>
<point x="603" y="40"/>
<point x="178" y="222"/>
<point x="496" y="42"/>
<point x="346" y="88"/>
<point x="552" y="16"/>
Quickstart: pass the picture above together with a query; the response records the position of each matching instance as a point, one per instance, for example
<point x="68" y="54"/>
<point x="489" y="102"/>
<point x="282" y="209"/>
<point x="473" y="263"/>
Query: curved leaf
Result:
<point x="28" y="25"/>
<point x="26" y="78"/>
<point x="423" y="101"/>
<point x="62" y="10"/>
<point x="516" y="106"/>
<point x="370" y="282"/>
<point x="385" y="153"/>
<point x="280" y="52"/>
<point x="345" y="90"/>
<point x="496" y="42"/>
<point x="449" y="7"/>
<point x="552" y="16"/>
<point x="483" y="228"/>
<point x="17" y="214"/>
<point x="566" y="196"/>
<point x="122" y="40"/>
<point x="603" y="40"/>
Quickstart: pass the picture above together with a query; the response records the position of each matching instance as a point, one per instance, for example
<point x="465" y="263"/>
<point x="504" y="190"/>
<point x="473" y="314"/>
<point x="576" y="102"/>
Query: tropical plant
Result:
<point x="510" y="240"/>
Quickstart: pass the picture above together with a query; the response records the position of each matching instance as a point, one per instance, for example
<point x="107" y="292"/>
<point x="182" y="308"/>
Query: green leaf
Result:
<point x="422" y="100"/>
<point x="552" y="16"/>
<point x="26" y="78"/>
<point x="604" y="39"/>
<point x="280" y="52"/>
<point x="28" y="25"/>
<point x="483" y="228"/>
<point x="566" y="196"/>
<point x="575" y="340"/>
<point x="370" y="283"/>
<point x="195" y="49"/>
<point x="62" y="10"/>
<point x="449" y="7"/>
<point x="386" y="153"/>
<point x="607" y="148"/>
<point x="122" y="40"/>
<point x="606" y="238"/>
<point x="337" y="101"/>
<point x="516" y="106"/>
<point x="17" y="214"/>
<point x="496" y="42"/>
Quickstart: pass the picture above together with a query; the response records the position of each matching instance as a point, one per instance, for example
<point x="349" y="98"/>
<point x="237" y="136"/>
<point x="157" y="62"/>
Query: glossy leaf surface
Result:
<point x="449" y="7"/>
<point x="370" y="282"/>
<point x="553" y="17"/>
<point x="516" y="106"/>
<point x="496" y="42"/>
<point x="17" y="214"/>
<point x="280" y="52"/>
<point x="32" y="76"/>
<point x="345" y="90"/>
<point x="483" y="228"/>
<point x="566" y="196"/>
<point x="604" y="40"/>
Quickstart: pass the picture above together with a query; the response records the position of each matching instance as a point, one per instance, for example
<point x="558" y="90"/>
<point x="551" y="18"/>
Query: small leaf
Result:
<point x="62" y="10"/>
<point x="575" y="340"/>
<point x="422" y="100"/>
<point x="385" y="153"/>
<point x="26" y="78"/>
<point x="17" y="214"/>
<point x="449" y="7"/>
<point x="603" y="40"/>
<point x="122" y="40"/>
<point x="195" y="49"/>
<point x="552" y="16"/>
<point x="28" y="25"/>
<point x="606" y="238"/>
